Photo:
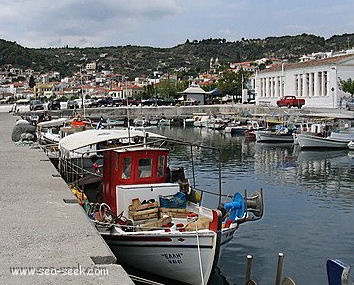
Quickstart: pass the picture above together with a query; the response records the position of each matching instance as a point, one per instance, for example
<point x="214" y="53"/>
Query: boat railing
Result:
<point x="73" y="170"/>
<point x="49" y="148"/>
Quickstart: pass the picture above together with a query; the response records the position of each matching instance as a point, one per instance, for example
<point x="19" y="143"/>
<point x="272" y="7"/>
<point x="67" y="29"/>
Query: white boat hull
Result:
<point x="181" y="256"/>
<point x="311" y="141"/>
<point x="269" y="137"/>
<point x="351" y="145"/>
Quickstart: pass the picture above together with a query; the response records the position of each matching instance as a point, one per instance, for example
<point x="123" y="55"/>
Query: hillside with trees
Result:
<point x="188" y="58"/>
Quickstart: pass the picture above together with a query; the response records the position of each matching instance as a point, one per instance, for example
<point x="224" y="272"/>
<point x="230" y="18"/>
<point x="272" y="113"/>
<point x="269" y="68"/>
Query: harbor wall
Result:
<point x="47" y="237"/>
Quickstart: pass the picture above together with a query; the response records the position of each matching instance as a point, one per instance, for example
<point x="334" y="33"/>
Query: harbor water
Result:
<point x="308" y="196"/>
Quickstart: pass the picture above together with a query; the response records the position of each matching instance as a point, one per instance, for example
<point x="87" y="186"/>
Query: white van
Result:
<point x="22" y="105"/>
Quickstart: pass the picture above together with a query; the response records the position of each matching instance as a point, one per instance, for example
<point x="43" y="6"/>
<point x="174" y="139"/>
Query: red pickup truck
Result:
<point x="290" y="101"/>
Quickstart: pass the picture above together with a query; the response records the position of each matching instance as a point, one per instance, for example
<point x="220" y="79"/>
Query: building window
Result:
<point x="144" y="167"/>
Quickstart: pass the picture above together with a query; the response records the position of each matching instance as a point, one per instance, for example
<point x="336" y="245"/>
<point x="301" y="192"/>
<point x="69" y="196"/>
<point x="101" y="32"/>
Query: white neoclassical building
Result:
<point x="317" y="81"/>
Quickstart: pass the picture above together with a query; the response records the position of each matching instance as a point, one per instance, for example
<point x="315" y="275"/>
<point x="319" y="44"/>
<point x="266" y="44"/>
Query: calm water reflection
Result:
<point x="309" y="198"/>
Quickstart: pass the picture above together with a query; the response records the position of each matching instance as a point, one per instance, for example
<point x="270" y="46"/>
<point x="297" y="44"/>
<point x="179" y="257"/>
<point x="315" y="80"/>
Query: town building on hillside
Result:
<point x="91" y="66"/>
<point x="45" y="90"/>
<point x="317" y="81"/>
<point x="249" y="66"/>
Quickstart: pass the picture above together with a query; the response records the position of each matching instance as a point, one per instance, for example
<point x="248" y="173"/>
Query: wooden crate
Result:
<point x="144" y="214"/>
<point x="173" y="213"/>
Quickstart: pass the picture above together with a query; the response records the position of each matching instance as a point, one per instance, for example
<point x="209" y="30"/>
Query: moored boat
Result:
<point x="48" y="132"/>
<point x="238" y="128"/>
<point x="152" y="216"/>
<point x="81" y="153"/>
<point x="266" y="136"/>
<point x="351" y="145"/>
<point x="338" y="140"/>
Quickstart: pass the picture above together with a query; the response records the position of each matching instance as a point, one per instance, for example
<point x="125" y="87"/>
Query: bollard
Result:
<point x="248" y="269"/>
<point x="279" y="268"/>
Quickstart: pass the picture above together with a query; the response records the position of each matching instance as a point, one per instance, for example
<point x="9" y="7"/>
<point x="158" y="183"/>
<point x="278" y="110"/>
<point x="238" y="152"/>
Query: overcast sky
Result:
<point x="166" y="23"/>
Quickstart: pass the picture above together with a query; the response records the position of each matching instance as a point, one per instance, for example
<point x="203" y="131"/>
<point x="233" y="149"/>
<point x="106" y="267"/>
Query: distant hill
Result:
<point x="136" y="61"/>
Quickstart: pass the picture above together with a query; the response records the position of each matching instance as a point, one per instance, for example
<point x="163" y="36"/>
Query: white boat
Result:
<point x="200" y="120"/>
<point x="265" y="136"/>
<point x="140" y="122"/>
<point x="351" y="145"/>
<point x="188" y="122"/>
<point x="153" y="121"/>
<point x="216" y="123"/>
<point x="113" y="123"/>
<point x="153" y="219"/>
<point x="48" y="132"/>
<point x="81" y="152"/>
<point x="237" y="128"/>
<point x="164" y="122"/>
<point x="337" y="140"/>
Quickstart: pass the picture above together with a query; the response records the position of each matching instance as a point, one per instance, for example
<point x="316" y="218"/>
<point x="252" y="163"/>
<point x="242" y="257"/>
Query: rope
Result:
<point x="199" y="255"/>
<point x="143" y="280"/>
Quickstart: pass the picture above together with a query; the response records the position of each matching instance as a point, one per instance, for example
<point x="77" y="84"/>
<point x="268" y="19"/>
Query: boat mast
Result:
<point x="126" y="98"/>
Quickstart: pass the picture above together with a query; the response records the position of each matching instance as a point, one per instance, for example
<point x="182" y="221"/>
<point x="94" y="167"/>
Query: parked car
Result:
<point x="118" y="102"/>
<point x="72" y="104"/>
<point x="54" y="105"/>
<point x="290" y="101"/>
<point x="90" y="103"/>
<point x="349" y="105"/>
<point x="104" y="102"/>
<point x="36" y="105"/>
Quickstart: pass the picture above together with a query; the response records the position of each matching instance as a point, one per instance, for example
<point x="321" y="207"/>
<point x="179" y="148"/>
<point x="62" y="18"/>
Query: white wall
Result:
<point x="317" y="84"/>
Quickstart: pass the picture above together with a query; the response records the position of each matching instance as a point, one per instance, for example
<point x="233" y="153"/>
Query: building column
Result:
<point x="264" y="87"/>
<point x="304" y="85"/>
<point x="310" y="84"/>
<point x="299" y="91"/>
<point x="277" y="86"/>
<point x="323" y="84"/>
<point x="316" y="81"/>
<point x="267" y="87"/>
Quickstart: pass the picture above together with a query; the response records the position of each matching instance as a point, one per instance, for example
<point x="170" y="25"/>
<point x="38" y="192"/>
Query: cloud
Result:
<point x="165" y="23"/>
<point x="77" y="22"/>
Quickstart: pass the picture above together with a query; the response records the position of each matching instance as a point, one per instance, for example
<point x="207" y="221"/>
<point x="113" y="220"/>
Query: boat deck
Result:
<point x="44" y="230"/>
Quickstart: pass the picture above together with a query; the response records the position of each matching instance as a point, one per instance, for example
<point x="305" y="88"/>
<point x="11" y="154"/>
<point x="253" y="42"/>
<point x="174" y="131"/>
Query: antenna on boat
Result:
<point x="220" y="189"/>
<point x="126" y="98"/>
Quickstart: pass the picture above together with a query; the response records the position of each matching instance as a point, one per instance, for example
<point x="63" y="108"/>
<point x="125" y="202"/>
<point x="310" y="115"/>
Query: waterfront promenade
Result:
<point x="44" y="239"/>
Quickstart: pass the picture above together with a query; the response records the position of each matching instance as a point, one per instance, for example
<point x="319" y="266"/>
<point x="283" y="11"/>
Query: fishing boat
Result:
<point x="81" y="153"/>
<point x="238" y="128"/>
<point x="153" y="218"/>
<point x="216" y="123"/>
<point x="163" y="122"/>
<point x="200" y="120"/>
<point x="48" y="132"/>
<point x="280" y="135"/>
<point x="351" y="145"/>
<point x="336" y="140"/>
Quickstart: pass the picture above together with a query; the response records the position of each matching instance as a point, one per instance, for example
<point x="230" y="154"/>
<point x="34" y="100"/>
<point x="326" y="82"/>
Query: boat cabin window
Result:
<point x="144" y="167"/>
<point x="160" y="165"/>
<point x="127" y="167"/>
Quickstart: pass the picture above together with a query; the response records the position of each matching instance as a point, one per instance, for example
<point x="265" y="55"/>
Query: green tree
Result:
<point x="31" y="82"/>
<point x="347" y="86"/>
<point x="232" y="83"/>
<point x="167" y="88"/>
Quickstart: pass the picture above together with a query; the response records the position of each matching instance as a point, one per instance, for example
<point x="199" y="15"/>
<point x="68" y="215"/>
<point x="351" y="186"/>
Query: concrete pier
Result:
<point x="43" y="239"/>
